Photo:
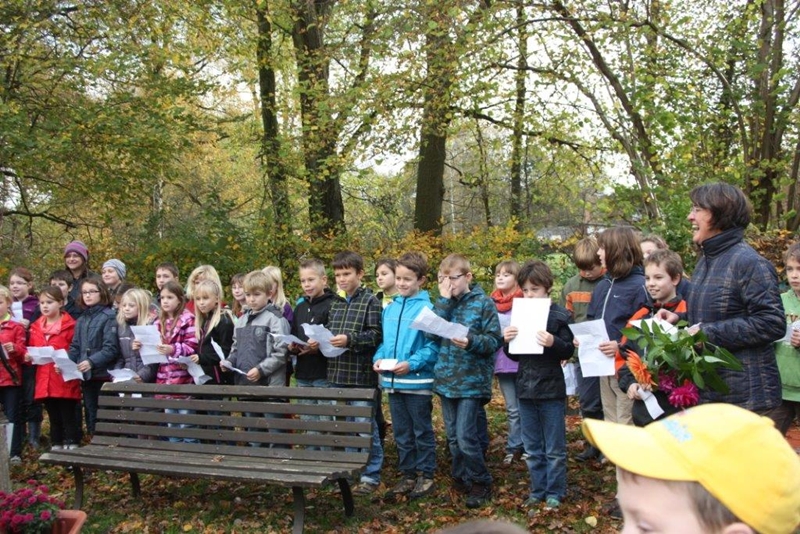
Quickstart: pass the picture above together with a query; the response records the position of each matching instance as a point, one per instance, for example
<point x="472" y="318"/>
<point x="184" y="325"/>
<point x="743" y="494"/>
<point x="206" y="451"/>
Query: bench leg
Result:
<point x="78" y="474"/>
<point x="135" y="489"/>
<point x="347" y="496"/>
<point x="299" y="510"/>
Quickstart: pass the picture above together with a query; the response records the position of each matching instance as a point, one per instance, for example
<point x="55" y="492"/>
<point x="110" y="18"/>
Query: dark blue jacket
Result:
<point x="467" y="373"/>
<point x="96" y="340"/>
<point x="615" y="299"/>
<point x="736" y="300"/>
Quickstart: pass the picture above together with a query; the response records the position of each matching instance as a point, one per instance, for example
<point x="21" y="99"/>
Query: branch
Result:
<point x="40" y="215"/>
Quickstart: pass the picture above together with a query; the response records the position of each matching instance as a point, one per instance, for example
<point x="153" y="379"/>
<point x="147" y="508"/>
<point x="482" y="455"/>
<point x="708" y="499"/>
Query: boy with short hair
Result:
<point x="663" y="271"/>
<point x="166" y="271"/>
<point x="463" y="374"/>
<point x="788" y="352"/>
<point x="355" y="321"/>
<point x="542" y="392"/>
<point x="575" y="297"/>
<point x="409" y="381"/>
<point x="715" y="468"/>
<point x="311" y="369"/>
<point x="63" y="280"/>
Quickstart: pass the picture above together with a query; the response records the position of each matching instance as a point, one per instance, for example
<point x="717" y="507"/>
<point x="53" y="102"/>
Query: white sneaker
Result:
<point x="15" y="460"/>
<point x="57" y="448"/>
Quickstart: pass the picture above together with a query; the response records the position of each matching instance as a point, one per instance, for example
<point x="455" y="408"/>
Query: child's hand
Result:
<point x="9" y="347"/>
<point x="85" y="366"/>
<point x="136" y="344"/>
<point x="313" y="346"/>
<point x="460" y="342"/>
<point x="445" y="287"/>
<point x="633" y="392"/>
<point x="510" y="333"/>
<point x="402" y="368"/>
<point x="666" y="315"/>
<point x="195" y="358"/>
<point x="137" y="379"/>
<point x="544" y="339"/>
<point x="28" y="358"/>
<point x="166" y="350"/>
<point x="339" y="341"/>
<point x="576" y="342"/>
<point x="253" y="375"/>
<point x="795" y="339"/>
<point x="24" y="322"/>
<point x="609" y="348"/>
<point x="224" y="369"/>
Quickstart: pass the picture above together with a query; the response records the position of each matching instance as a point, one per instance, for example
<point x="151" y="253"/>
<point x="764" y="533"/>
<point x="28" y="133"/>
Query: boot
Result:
<point x="34" y="432"/>
<point x="589" y="453"/>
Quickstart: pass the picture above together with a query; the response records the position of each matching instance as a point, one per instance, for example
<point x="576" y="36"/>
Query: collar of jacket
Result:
<point x="636" y="269"/>
<point x="714" y="246"/>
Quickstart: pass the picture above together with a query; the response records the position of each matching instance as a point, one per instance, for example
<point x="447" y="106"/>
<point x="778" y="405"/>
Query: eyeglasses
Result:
<point x="452" y="278"/>
<point x="90" y="292"/>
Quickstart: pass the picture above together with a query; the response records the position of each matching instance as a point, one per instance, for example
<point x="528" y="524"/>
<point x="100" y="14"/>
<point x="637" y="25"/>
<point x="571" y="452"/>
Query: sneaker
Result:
<point x="57" y="448"/>
<point x="479" y="495"/>
<point x="15" y="460"/>
<point x="365" y="488"/>
<point x="71" y="446"/>
<point x="422" y="487"/>
<point x="459" y="485"/>
<point x="403" y="487"/>
<point x="533" y="506"/>
<point x="509" y="459"/>
<point x="552" y="503"/>
<point x="524" y="456"/>
<point x="588" y="453"/>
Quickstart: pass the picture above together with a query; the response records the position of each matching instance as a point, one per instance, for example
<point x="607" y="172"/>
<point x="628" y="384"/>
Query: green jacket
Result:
<point x="789" y="357"/>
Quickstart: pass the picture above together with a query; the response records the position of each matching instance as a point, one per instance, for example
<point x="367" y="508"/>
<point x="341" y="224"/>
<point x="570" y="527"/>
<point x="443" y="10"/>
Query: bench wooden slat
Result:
<point x="242" y="392"/>
<point x="357" y="458"/>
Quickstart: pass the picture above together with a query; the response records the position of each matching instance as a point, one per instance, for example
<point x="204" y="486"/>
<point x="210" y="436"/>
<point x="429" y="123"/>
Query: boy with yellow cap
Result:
<point x="715" y="468"/>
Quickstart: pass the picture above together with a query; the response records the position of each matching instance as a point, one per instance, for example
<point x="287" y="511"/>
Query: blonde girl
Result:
<point x="134" y="310"/>
<point x="55" y="328"/>
<point x="278" y="297"/>
<point x="237" y="292"/>
<point x="212" y="323"/>
<point x="12" y="337"/>
<point x="203" y="272"/>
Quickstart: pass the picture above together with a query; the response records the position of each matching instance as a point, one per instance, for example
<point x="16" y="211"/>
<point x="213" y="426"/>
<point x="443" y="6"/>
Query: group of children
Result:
<point x="91" y="317"/>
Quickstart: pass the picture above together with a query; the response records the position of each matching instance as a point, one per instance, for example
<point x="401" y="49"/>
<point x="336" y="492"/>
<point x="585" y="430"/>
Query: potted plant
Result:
<point x="31" y="509"/>
<point x="675" y="364"/>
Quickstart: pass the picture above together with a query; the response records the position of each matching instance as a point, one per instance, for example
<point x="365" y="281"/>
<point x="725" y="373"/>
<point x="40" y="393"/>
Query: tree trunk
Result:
<point x="516" y="212"/>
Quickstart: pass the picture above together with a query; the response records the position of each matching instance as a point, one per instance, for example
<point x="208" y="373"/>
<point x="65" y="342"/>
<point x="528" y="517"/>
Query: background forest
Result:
<point x="245" y="133"/>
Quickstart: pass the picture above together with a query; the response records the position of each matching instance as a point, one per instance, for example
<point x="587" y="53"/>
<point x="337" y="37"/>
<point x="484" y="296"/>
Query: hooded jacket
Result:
<point x="406" y="344"/>
<point x="311" y="311"/>
<point x="222" y="335"/>
<point x="131" y="358"/>
<point x="467" y="373"/>
<point x="736" y="300"/>
<point x="49" y="383"/>
<point x="96" y="340"/>
<point x="254" y="347"/>
<point x="11" y="366"/>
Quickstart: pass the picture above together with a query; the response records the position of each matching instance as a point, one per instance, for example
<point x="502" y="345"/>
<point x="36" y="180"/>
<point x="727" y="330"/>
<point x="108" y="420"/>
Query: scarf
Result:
<point x="504" y="302"/>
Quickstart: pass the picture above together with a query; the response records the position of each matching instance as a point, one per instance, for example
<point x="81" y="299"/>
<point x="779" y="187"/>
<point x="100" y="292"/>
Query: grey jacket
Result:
<point x="253" y="346"/>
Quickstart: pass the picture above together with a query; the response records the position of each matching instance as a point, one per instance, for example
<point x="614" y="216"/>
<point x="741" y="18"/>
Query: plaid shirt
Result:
<point x="360" y="320"/>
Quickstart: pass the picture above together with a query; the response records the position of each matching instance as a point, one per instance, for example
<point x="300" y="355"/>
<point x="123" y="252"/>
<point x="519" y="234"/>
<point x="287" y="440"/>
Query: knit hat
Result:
<point x="117" y="266"/>
<point x="737" y="456"/>
<point x="79" y="248"/>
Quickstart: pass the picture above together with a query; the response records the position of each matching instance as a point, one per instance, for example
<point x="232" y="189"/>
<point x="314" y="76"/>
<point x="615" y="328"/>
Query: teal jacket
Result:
<point x="403" y="343"/>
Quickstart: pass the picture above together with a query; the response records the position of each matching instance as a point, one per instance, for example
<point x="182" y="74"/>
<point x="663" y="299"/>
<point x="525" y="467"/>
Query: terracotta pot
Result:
<point x="69" y="522"/>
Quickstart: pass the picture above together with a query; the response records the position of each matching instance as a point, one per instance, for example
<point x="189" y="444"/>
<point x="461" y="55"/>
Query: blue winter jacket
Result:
<point x="403" y="343"/>
<point x="467" y="373"/>
<point x="615" y="299"/>
<point x="736" y="300"/>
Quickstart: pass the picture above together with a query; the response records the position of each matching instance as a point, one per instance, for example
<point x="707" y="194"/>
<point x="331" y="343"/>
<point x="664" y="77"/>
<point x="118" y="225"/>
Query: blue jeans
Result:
<point x="372" y="474"/>
<point x="544" y="433"/>
<point x="413" y="433"/>
<point x="11" y="399"/>
<point x="174" y="425"/>
<point x="508" y="387"/>
<point x="461" y="425"/>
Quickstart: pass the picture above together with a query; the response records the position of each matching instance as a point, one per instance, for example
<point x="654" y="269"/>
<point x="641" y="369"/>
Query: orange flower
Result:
<point x="639" y="369"/>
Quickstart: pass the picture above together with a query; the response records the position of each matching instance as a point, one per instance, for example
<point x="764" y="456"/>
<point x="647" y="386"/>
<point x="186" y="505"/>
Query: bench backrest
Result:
<point x="290" y="423"/>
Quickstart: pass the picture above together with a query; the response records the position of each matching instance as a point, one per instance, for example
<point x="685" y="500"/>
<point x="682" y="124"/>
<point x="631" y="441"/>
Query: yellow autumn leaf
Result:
<point x="591" y="521"/>
<point x="187" y="527"/>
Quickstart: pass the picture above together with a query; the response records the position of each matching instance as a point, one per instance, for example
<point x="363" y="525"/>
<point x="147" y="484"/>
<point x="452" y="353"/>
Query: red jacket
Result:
<point x="49" y="384"/>
<point x="11" y="332"/>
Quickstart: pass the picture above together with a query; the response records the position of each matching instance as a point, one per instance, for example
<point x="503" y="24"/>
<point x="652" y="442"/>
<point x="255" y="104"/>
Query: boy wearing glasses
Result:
<point x="463" y="374"/>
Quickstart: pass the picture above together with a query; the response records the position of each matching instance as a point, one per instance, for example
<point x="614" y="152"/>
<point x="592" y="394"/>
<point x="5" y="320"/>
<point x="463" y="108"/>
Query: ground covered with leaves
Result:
<point x="171" y="505"/>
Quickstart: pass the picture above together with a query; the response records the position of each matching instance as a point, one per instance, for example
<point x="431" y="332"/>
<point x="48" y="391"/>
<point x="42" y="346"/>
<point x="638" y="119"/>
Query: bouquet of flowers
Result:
<point x="677" y="363"/>
<point x="29" y="509"/>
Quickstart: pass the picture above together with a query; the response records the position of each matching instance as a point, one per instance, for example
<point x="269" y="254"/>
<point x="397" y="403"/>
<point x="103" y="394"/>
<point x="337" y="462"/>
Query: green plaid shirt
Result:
<point x="360" y="319"/>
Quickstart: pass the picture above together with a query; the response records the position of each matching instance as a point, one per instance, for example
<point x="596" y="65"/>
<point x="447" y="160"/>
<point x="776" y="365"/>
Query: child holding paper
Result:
<point x="212" y="323"/>
<point x="405" y="362"/>
<point x="61" y="399"/>
<point x="134" y="310"/>
<point x="662" y="274"/>
<point x="12" y="337"/>
<point x="542" y="392"/>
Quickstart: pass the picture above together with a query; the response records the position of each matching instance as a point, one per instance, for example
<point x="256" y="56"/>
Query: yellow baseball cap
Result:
<point x="737" y="456"/>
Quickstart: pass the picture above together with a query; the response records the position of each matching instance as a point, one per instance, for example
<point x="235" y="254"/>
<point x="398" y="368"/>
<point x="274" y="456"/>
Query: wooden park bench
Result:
<point x="132" y="436"/>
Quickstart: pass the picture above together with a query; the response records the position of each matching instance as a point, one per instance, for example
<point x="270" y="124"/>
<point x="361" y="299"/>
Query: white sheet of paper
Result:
<point x="68" y="368"/>
<point x="194" y="369"/>
<point x="388" y="364"/>
<point x="40" y="355"/>
<point x="790" y="328"/>
<point x="651" y="403"/>
<point x="571" y="378"/>
<point x="150" y="338"/>
<point x="322" y="335"/>
<point x="429" y="322"/>
<point x="150" y="357"/>
<point x="218" y="350"/>
<point x="590" y="334"/>
<point x="288" y="339"/>
<point x="16" y="311"/>
<point x="529" y="316"/>
<point x="122" y="375"/>
<point x="227" y="365"/>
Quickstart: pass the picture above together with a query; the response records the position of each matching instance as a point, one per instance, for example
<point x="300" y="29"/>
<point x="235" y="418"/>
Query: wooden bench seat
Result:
<point x="240" y="433"/>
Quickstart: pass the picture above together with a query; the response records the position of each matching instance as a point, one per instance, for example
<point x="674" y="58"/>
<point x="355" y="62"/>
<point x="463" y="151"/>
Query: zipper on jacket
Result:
<point x="605" y="302"/>
<point x="397" y="334"/>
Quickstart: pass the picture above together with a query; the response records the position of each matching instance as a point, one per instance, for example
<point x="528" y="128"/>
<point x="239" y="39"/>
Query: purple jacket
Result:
<point x="502" y="363"/>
